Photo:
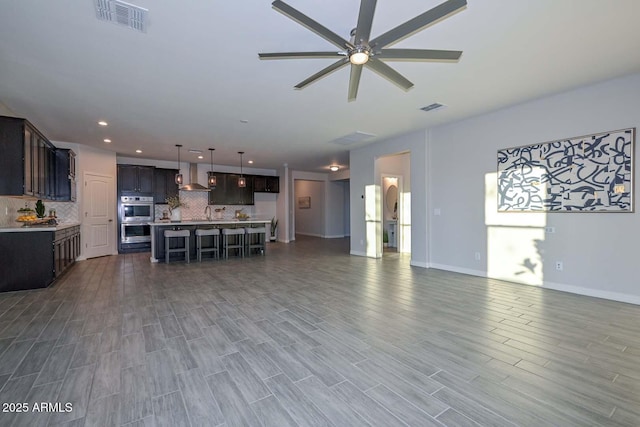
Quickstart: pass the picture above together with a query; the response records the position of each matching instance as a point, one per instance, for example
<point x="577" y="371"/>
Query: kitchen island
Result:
<point x="33" y="257"/>
<point x="158" y="228"/>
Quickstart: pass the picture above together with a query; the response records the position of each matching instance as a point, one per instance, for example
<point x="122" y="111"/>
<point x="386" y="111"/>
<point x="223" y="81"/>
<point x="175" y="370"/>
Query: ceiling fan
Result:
<point x="362" y="51"/>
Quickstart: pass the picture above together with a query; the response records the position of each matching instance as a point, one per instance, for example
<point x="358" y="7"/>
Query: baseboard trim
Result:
<point x="419" y="264"/>
<point x="309" y="234"/>
<point x="336" y="236"/>
<point x="358" y="253"/>
<point x="578" y="290"/>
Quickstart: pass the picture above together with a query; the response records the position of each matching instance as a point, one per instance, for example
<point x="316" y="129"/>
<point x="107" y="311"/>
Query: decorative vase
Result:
<point x="176" y="215"/>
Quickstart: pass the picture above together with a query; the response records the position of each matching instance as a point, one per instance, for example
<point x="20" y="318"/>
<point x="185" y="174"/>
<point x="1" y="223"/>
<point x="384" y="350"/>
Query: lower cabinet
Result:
<point x="34" y="259"/>
<point x="66" y="248"/>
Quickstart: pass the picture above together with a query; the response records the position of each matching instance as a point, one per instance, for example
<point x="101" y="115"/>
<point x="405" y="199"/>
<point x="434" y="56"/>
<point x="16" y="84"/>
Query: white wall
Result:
<point x="363" y="172"/>
<point x="598" y="250"/>
<point x="99" y="162"/>
<point x="310" y="222"/>
<point x="5" y="111"/>
<point x="334" y="209"/>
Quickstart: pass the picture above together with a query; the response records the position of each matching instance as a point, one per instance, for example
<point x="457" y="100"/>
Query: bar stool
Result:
<point x="170" y="234"/>
<point x="237" y="241"/>
<point x="256" y="239"/>
<point x="215" y="234"/>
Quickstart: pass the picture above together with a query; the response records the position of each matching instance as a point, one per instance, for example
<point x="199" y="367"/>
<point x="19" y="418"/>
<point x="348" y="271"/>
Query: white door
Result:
<point x="99" y="222"/>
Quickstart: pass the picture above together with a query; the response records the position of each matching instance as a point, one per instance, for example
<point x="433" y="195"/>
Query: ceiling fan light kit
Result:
<point x="362" y="51"/>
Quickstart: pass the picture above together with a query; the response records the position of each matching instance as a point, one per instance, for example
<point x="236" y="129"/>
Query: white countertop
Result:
<point x="212" y="222"/>
<point x="22" y="229"/>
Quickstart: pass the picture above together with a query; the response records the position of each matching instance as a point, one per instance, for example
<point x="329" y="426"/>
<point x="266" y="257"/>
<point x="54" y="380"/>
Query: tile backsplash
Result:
<point x="197" y="201"/>
<point x="65" y="211"/>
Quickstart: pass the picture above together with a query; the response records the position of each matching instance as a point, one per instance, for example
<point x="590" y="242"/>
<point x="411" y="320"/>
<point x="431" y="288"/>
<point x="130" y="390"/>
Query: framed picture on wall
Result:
<point x="304" y="202"/>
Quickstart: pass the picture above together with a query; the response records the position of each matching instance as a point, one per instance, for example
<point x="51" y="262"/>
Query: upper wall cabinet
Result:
<point x="217" y="195"/>
<point x="134" y="180"/>
<point x="227" y="191"/>
<point x="164" y="185"/>
<point x="266" y="184"/>
<point x="65" y="175"/>
<point x="28" y="161"/>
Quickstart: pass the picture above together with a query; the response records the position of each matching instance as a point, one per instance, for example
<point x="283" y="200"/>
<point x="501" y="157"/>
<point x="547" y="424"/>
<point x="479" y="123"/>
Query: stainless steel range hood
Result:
<point x="193" y="180"/>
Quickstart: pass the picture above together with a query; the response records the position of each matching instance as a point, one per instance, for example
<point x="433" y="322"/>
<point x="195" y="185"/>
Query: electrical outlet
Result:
<point x="550" y="230"/>
<point x="361" y="242"/>
<point x="437" y="212"/>
<point x="477" y="256"/>
<point x="559" y="266"/>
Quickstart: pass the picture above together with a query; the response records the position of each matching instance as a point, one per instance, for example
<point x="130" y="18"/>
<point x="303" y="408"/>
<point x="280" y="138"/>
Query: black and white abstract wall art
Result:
<point x="591" y="173"/>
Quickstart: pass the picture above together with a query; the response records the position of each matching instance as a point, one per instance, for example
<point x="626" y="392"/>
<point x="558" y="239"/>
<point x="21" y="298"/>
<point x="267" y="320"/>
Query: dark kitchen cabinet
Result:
<point x="266" y="184"/>
<point x="217" y="195"/>
<point x="134" y="180"/>
<point x="235" y="195"/>
<point x="34" y="259"/>
<point x="227" y="191"/>
<point x="27" y="164"/>
<point x="164" y="185"/>
<point x="65" y="175"/>
<point x="66" y="248"/>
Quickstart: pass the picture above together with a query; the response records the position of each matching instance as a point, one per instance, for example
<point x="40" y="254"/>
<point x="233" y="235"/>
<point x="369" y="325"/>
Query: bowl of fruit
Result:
<point x="26" y="216"/>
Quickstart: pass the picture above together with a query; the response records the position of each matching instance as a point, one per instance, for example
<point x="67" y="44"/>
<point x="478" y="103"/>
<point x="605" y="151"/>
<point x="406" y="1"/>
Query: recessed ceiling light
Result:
<point x="201" y="157"/>
<point x="244" y="121"/>
<point x="250" y="162"/>
<point x="138" y="151"/>
<point x="107" y="140"/>
<point x="334" y="168"/>
<point x="102" y="123"/>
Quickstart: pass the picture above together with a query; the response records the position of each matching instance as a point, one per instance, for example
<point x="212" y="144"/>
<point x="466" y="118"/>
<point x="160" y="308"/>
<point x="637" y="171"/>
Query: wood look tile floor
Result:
<point x="308" y="335"/>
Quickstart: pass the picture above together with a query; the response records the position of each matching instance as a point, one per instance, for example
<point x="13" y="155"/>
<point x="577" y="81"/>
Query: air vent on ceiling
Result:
<point x="434" y="106"/>
<point x="122" y="13"/>
<point x="352" y="138"/>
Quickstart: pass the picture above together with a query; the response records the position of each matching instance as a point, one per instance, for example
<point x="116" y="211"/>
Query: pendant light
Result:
<point x="179" y="179"/>
<point x="242" y="181"/>
<point x="212" y="178"/>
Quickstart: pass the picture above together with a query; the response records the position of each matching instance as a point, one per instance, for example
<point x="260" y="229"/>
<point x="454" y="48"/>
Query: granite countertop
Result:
<point x="22" y="229"/>
<point x="198" y="221"/>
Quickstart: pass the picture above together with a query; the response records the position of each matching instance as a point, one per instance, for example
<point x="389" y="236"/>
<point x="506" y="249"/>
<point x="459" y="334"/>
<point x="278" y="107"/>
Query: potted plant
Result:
<point x="385" y="238"/>
<point x="174" y="207"/>
<point x="274" y="227"/>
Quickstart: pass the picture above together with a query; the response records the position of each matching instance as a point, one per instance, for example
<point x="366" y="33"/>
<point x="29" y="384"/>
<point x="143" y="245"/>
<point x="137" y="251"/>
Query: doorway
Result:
<point x="393" y="203"/>
<point x="391" y="210"/>
<point x="98" y="222"/>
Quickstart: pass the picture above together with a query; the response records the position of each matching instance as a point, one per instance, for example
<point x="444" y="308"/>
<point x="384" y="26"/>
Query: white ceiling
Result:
<point x="195" y="74"/>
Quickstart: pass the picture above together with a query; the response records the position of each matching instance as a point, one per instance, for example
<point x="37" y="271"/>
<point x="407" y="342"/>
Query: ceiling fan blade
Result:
<point x="312" y="25"/>
<point x="419" y="55"/>
<point x="385" y="71"/>
<point x="365" y="21"/>
<point x="354" y="81"/>
<point x="419" y="23"/>
<point x="299" y="55"/>
<point x="324" y="72"/>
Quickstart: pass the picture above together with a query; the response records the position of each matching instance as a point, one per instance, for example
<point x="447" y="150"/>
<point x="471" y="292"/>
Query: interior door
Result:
<point x="99" y="207"/>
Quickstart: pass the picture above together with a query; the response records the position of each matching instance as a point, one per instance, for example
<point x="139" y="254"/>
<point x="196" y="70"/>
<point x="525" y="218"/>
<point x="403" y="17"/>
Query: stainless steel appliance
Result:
<point x="136" y="209"/>
<point x="135" y="214"/>
<point x="131" y="232"/>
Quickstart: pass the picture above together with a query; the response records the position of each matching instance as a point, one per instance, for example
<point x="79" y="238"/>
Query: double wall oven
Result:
<point x="135" y="214"/>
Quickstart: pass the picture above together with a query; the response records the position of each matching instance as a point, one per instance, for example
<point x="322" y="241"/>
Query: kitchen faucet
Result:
<point x="207" y="212"/>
